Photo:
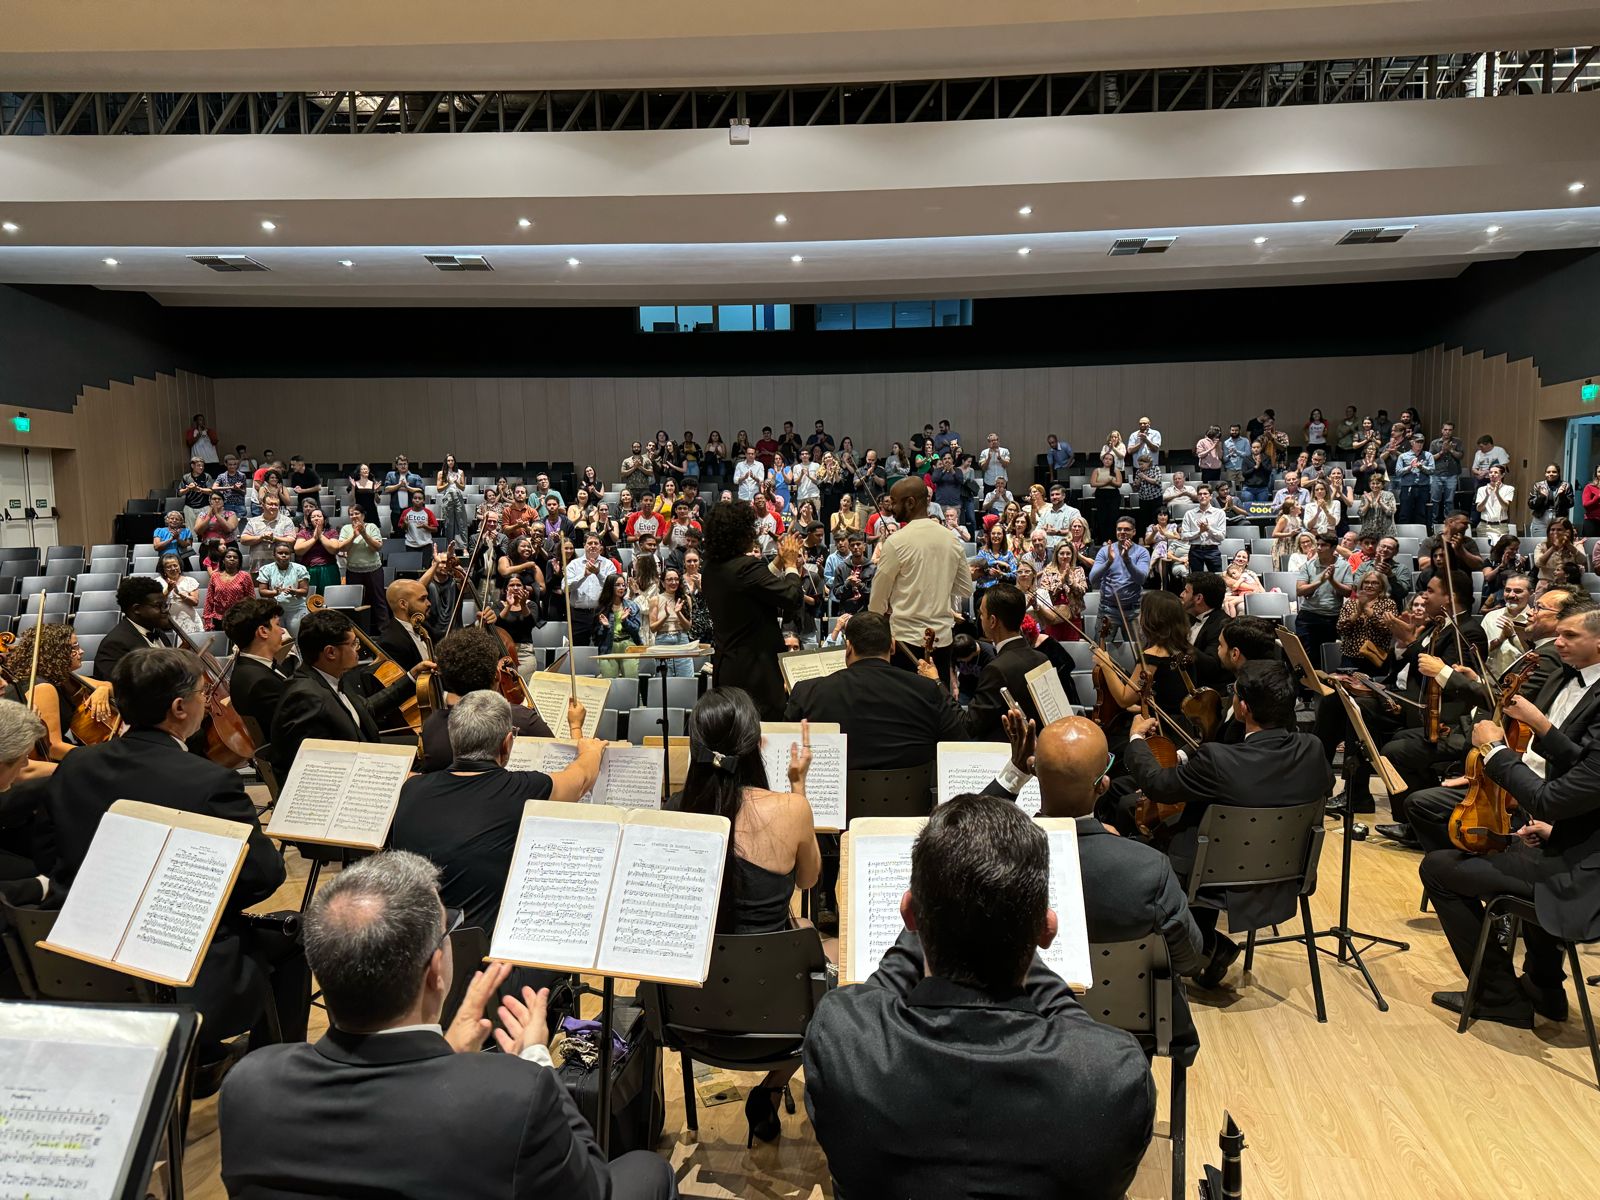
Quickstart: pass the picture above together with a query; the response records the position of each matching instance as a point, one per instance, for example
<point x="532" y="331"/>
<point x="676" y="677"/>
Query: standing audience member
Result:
<point x="360" y="542"/>
<point x="921" y="570"/>
<point x="398" y="485"/>
<point x="227" y="585"/>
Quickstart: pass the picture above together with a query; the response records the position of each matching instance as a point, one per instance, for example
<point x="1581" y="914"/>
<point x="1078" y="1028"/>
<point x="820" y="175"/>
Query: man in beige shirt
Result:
<point x="920" y="571"/>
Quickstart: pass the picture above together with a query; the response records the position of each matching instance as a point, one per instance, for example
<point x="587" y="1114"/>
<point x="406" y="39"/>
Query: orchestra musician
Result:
<point x="260" y="674"/>
<point x="1448" y="636"/>
<point x="145" y="622"/>
<point x="1555" y="857"/>
<point x="322" y="700"/>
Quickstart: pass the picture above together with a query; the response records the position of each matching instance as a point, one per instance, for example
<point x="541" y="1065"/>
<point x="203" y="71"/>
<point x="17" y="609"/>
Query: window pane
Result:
<point x="874" y="316"/>
<point x="735" y="317"/>
<point x="836" y="316"/>
<point x="694" y="318"/>
<point x="772" y="316"/>
<point x="913" y="314"/>
<point x="658" y="318"/>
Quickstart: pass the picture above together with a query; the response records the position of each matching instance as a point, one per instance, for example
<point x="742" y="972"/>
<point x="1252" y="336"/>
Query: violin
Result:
<point x="384" y="669"/>
<point x="1481" y="823"/>
<point x="228" y="741"/>
<point x="1433" y="711"/>
<point x="1203" y="707"/>
<point x="430" y="696"/>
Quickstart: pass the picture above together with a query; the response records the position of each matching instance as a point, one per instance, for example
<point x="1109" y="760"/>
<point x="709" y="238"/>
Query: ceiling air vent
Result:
<point x="459" y="262"/>
<point x="1140" y="245"/>
<point x="1375" y="233"/>
<point x="227" y="262"/>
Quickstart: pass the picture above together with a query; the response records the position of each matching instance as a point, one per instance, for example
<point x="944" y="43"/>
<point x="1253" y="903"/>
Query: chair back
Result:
<point x="1241" y="848"/>
<point x="904" y="792"/>
<point x="50" y="976"/>
<point x="1133" y="989"/>
<point x="759" y="997"/>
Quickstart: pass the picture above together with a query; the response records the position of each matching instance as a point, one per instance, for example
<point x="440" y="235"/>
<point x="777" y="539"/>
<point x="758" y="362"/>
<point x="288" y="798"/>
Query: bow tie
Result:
<point x="1568" y="674"/>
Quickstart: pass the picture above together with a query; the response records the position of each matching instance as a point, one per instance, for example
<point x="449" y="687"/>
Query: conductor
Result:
<point x="748" y="598"/>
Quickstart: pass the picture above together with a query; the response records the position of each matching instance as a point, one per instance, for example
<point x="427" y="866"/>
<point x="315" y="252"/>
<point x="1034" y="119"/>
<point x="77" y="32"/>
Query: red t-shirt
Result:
<point x="765" y="449"/>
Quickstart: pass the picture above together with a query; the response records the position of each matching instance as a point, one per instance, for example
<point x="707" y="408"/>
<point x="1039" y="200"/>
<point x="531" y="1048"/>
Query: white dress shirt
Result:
<point x="1561" y="708"/>
<point x="1204" y="526"/>
<point x="337" y="691"/>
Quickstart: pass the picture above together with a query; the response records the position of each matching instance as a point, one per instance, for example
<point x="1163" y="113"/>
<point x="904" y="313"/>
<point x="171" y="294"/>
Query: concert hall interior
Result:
<point x="822" y="602"/>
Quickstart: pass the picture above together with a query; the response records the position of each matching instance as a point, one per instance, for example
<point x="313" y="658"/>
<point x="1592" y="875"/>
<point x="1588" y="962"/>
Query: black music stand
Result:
<point x="1348" y="952"/>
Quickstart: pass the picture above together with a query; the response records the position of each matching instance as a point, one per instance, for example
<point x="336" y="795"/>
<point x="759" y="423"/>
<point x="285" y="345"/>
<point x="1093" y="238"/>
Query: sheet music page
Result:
<point x="1068" y="955"/>
<point x="824" y="781"/>
<point x="556" y="893"/>
<point x="664" y="902"/>
<point x="107" y="888"/>
<point x="75" y="1088"/>
<point x="810" y="664"/>
<point x="172" y="927"/>
<point x="310" y="795"/>
<point x="630" y="777"/>
<point x="548" y="692"/>
<point x="370" y="795"/>
<point x="1049" y="694"/>
<point x="972" y="766"/>
<point x="880" y="873"/>
<point x="548" y="755"/>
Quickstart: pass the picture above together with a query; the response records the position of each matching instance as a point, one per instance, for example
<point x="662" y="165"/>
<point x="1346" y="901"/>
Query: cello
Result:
<point x="1481" y="823"/>
<point x="228" y="741"/>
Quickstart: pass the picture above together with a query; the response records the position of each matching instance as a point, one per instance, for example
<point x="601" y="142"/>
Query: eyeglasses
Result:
<point x="1110" y="761"/>
<point x="453" y="918"/>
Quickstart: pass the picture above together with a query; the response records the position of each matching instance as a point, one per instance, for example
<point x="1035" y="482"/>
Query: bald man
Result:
<point x="410" y="605"/>
<point x="922" y="570"/>
<point x="1129" y="889"/>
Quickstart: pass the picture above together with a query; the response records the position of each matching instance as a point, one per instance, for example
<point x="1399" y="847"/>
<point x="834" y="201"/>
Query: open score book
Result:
<point x="341" y="793"/>
<point x="613" y="891"/>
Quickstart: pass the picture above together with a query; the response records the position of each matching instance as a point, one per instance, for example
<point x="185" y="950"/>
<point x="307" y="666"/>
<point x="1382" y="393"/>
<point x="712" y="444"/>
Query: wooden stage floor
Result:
<point x="1369" y="1105"/>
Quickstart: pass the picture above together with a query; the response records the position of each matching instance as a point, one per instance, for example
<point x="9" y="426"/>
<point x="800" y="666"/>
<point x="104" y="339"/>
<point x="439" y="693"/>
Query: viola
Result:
<point x="228" y="740"/>
<point x="1481" y="823"/>
<point x="385" y="670"/>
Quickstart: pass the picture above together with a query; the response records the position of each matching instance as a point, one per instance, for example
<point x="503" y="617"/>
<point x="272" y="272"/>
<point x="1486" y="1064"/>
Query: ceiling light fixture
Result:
<point x="1297" y="199"/>
<point x="524" y="223"/>
<point x="573" y="262"/>
<point x="10" y="226"/>
<point x="797" y="258"/>
<point x="345" y="262"/>
<point x="269" y="226"/>
<point x="1261" y="241"/>
<point x="1574" y="188"/>
<point x="110" y="262"/>
<point x="1025" y="211"/>
<point x="780" y="219"/>
<point x="1492" y="229"/>
<point x="1024" y="251"/>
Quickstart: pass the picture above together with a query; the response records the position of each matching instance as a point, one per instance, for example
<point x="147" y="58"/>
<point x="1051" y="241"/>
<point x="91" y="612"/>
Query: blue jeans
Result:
<point x="1260" y="495"/>
<point x="1442" y="493"/>
<point x="678" y="667"/>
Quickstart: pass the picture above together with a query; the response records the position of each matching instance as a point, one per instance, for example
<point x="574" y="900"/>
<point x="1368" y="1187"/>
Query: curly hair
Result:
<point x="55" y="653"/>
<point x="730" y="531"/>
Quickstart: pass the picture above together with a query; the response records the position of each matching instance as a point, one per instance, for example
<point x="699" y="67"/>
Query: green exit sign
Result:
<point x="22" y="422"/>
<point x="1590" y="392"/>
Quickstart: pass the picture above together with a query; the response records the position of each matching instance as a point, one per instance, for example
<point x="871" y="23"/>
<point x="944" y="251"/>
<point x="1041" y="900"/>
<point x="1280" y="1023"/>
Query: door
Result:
<point x="1580" y="457"/>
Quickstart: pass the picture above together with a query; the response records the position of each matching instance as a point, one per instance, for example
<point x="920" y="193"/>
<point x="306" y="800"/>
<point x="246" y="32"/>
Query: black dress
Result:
<point x="1107" y="508"/>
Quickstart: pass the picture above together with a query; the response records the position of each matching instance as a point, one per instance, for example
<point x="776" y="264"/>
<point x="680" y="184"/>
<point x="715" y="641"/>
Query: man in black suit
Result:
<point x="1452" y="637"/>
<point x="145" y="622"/>
<point x="469" y="661"/>
<point x="747" y="599"/>
<point x="893" y="718"/>
<point x="390" y="1103"/>
<point x="255" y="627"/>
<point x="1129" y="888"/>
<point x="964" y="1066"/>
<point x="161" y="694"/>
<point x="322" y="701"/>
<point x="1202" y="599"/>
<point x="1421" y="763"/>
<point x="409" y="603"/>
<point x="1272" y="767"/>
<point x="1000" y="614"/>
<point x="1554" y="859"/>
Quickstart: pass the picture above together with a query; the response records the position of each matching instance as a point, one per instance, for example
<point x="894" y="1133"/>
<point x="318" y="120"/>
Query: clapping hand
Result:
<point x="525" y="1020"/>
<point x="1022" y="734"/>
<point x="470" y="1027"/>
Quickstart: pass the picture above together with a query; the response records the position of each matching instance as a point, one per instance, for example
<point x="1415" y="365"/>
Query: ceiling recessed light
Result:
<point x="110" y="262"/>
<point x="9" y="226"/>
<point x="780" y="219"/>
<point x="1297" y="199"/>
<point x="573" y="262"/>
<point x="1574" y="188"/>
<point x="797" y="258"/>
<point x="1024" y="251"/>
<point x="1492" y="229"/>
<point x="345" y="262"/>
<point x="524" y="223"/>
<point x="1261" y="241"/>
<point x="1025" y="211"/>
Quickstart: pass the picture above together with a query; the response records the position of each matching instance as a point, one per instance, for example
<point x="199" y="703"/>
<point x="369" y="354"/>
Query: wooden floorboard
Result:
<point x="1370" y="1104"/>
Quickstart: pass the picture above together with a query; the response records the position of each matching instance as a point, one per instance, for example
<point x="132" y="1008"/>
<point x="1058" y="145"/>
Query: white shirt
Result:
<point x="748" y="478"/>
<point x="1496" y="503"/>
<point x="1482" y="460"/>
<point x="343" y="699"/>
<point x="1204" y="526"/>
<point x="1561" y="708"/>
<point x="995" y="463"/>
<point x="1056" y="521"/>
<point x="585" y="588"/>
<point x="534" y="1054"/>
<point x="921" y="568"/>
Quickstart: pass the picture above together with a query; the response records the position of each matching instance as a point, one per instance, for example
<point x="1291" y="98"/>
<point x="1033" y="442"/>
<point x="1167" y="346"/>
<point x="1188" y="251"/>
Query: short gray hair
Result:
<point x="369" y="934"/>
<point x="478" y="725"/>
<point x="20" y="729"/>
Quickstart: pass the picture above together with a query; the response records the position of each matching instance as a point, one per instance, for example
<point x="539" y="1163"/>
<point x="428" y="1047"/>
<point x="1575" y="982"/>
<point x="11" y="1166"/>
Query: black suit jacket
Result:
<point x="401" y="1115"/>
<point x="256" y="690"/>
<point x="747" y="602"/>
<point x="1464" y="651"/>
<point x="1274" y="768"/>
<point x="397" y="644"/>
<point x="893" y="717"/>
<point x="309" y="709"/>
<point x="115" y="646"/>
<point x="149" y="765"/>
<point x="1007" y="669"/>
<point x="1062" y="1105"/>
<point x="1208" y="668"/>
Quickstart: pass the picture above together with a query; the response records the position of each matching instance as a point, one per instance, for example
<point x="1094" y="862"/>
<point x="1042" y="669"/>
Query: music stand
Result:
<point x="1347" y="937"/>
<point x="662" y="656"/>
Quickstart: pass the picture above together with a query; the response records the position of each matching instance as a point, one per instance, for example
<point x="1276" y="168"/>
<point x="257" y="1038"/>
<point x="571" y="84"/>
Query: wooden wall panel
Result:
<point x="593" y="419"/>
<point x="1492" y="395"/>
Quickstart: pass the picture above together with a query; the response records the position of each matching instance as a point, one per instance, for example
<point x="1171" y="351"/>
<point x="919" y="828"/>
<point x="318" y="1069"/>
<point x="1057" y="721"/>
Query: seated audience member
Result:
<point x="1274" y="765"/>
<point x="161" y="694"/>
<point x="466" y="818"/>
<point x="1000" y="614"/>
<point x="1129" y="888"/>
<point x="323" y="699"/>
<point x="773" y="849"/>
<point x="390" y="1103"/>
<point x="22" y="879"/>
<point x="468" y="662"/>
<point x="255" y="627"/>
<point x="964" y="1066"/>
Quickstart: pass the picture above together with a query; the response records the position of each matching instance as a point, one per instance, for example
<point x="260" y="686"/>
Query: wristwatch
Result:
<point x="1487" y="748"/>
